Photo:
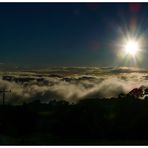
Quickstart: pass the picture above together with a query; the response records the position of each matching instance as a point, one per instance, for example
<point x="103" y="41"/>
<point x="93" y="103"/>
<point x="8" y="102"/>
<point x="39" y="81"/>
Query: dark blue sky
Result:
<point x="67" y="34"/>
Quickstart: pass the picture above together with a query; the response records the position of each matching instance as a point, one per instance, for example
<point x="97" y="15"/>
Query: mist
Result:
<point x="72" y="87"/>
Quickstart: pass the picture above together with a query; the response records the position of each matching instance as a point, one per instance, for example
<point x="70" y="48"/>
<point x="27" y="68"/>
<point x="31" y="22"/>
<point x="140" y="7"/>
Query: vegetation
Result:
<point x="122" y="120"/>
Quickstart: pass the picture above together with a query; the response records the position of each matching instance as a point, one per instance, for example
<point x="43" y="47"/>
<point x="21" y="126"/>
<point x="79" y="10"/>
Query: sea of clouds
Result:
<point x="71" y="84"/>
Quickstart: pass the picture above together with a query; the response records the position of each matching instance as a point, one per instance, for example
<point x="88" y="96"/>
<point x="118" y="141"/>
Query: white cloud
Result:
<point x="73" y="86"/>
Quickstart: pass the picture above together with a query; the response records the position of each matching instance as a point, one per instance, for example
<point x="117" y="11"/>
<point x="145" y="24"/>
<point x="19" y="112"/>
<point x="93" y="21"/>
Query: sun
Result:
<point x="131" y="47"/>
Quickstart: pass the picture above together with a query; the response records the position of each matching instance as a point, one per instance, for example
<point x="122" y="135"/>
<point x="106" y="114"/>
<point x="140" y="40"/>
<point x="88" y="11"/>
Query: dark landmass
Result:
<point x="116" y="121"/>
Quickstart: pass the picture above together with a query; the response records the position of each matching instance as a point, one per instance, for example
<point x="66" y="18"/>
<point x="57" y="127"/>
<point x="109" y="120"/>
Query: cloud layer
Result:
<point x="71" y="84"/>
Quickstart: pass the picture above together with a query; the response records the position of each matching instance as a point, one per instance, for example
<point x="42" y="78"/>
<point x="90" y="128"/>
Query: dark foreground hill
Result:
<point x="122" y="120"/>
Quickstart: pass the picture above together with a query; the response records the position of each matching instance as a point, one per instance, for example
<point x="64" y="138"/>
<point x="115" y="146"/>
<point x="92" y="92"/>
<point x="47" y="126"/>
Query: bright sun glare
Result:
<point x="131" y="47"/>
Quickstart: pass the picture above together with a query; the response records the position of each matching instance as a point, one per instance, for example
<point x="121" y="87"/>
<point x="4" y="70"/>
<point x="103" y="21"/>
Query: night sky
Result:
<point x="69" y="34"/>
